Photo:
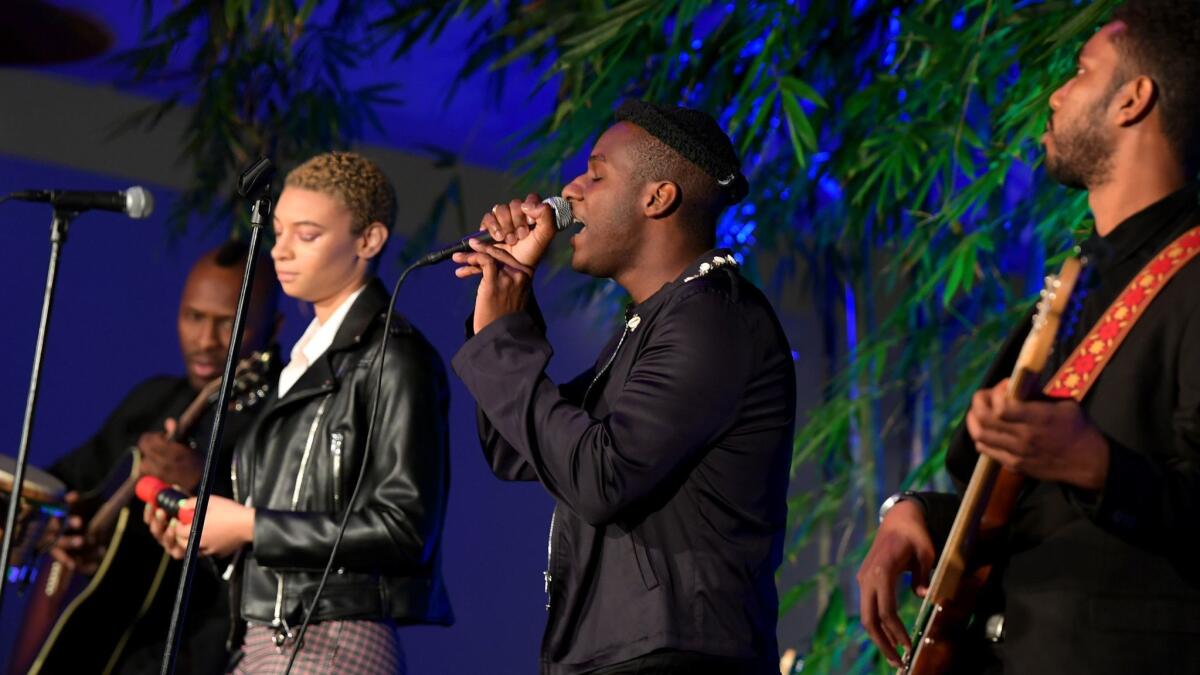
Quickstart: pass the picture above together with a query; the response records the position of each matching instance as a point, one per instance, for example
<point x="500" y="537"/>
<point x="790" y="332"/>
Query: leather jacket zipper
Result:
<point x="283" y="632"/>
<point x="335" y="448"/>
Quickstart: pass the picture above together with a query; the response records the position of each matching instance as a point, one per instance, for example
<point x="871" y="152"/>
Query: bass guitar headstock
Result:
<point x="1052" y="303"/>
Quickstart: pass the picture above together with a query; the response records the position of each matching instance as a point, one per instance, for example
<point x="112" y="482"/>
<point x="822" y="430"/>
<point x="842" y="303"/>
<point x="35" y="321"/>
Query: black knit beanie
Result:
<point x="696" y="136"/>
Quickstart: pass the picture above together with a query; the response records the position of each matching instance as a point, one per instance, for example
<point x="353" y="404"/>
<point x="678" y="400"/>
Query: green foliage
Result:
<point x="264" y="78"/>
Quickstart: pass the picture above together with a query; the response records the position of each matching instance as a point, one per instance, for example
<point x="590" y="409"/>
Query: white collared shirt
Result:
<point x="316" y="339"/>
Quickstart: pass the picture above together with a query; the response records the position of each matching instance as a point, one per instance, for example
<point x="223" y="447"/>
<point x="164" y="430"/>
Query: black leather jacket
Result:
<point x="297" y="466"/>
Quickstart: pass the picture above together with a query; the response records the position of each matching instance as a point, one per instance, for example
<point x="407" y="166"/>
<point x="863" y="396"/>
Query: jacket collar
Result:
<point x="320" y="376"/>
<point x="707" y="263"/>
<point x="370" y="303"/>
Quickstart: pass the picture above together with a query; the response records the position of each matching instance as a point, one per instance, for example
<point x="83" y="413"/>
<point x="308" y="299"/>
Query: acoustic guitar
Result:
<point x="986" y="504"/>
<point x="130" y="575"/>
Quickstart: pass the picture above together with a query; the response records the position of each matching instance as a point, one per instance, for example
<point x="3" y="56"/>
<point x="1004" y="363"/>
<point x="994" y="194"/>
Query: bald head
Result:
<point x="209" y="304"/>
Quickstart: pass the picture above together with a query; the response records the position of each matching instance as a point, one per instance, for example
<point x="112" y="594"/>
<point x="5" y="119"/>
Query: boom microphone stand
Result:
<point x="254" y="184"/>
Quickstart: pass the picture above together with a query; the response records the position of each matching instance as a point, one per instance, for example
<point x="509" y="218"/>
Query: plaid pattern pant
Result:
<point x="342" y="647"/>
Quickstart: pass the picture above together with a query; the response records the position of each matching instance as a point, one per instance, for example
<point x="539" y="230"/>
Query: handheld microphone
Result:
<point x="562" y="220"/>
<point x="157" y="493"/>
<point x="135" y="202"/>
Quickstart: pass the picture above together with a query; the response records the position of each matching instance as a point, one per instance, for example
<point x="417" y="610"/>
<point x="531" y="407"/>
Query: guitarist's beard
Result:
<point x="1081" y="156"/>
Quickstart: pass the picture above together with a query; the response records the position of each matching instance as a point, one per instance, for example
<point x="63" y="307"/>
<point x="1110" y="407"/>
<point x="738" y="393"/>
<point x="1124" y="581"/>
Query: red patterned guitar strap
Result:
<point x="1079" y="372"/>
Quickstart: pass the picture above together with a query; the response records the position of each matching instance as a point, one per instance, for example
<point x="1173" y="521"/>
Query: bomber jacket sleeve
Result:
<point x="506" y="462"/>
<point x="395" y="522"/>
<point x="683" y="391"/>
<point x="502" y="457"/>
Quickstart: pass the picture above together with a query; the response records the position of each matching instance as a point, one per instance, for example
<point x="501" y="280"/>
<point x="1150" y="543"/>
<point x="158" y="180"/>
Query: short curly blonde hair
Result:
<point x="353" y="179"/>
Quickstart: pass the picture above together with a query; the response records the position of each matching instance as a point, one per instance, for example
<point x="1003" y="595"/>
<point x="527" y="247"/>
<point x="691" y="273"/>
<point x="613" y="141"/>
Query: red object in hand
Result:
<point x="154" y="491"/>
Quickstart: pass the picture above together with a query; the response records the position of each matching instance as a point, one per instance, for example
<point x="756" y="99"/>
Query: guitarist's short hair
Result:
<point x="1162" y="41"/>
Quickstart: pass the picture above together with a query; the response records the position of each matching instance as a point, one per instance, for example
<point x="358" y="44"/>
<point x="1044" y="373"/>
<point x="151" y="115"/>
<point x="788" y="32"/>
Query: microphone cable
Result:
<point x="377" y="363"/>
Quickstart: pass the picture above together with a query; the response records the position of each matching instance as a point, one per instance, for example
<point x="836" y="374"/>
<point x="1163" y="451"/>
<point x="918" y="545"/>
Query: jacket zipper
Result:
<point x="335" y="449"/>
<point x="237" y="555"/>
<point x="630" y="325"/>
<point x="283" y="632"/>
<point x="612" y="357"/>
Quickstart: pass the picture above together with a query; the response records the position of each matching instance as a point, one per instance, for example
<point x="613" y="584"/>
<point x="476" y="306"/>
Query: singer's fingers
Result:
<point x="509" y="218"/>
<point x="516" y="209"/>
<point x="474" y="257"/>
<point x="503" y="221"/>
<point x="490" y="225"/>
<point x="486" y="263"/>
<point x="464" y="272"/>
<point x="544" y="227"/>
<point x="506" y="258"/>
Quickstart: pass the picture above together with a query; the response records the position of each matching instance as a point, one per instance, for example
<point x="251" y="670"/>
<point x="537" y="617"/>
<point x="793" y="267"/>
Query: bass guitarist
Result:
<point x="1099" y="571"/>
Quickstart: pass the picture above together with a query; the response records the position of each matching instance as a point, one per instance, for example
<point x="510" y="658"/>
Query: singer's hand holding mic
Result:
<point x="511" y="225"/>
<point x="506" y="267"/>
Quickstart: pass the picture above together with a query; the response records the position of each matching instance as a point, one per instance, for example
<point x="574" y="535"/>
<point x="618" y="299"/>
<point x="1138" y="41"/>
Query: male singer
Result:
<point x="668" y="459"/>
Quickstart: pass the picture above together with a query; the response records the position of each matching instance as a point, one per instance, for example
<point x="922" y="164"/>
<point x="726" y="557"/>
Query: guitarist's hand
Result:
<point x="72" y="547"/>
<point x="173" y="463"/>
<point x="1045" y="440"/>
<point x="902" y="544"/>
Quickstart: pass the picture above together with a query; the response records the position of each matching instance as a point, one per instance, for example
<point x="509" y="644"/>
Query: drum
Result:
<point x="41" y="501"/>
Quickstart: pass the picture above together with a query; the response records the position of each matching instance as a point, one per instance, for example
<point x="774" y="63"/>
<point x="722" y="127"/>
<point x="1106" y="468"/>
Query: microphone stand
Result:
<point x="255" y="184"/>
<point x="58" y="236"/>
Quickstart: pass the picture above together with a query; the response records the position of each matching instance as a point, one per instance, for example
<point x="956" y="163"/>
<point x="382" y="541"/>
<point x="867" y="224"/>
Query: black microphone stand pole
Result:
<point x="254" y="184"/>
<point x="58" y="236"/>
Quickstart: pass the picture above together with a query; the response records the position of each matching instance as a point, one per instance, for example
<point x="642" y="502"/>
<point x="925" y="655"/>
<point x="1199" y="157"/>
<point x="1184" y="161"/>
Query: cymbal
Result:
<point x="33" y="32"/>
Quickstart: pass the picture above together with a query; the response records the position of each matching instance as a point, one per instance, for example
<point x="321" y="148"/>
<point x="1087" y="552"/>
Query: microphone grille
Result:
<point x="139" y="203"/>
<point x="563" y="218"/>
